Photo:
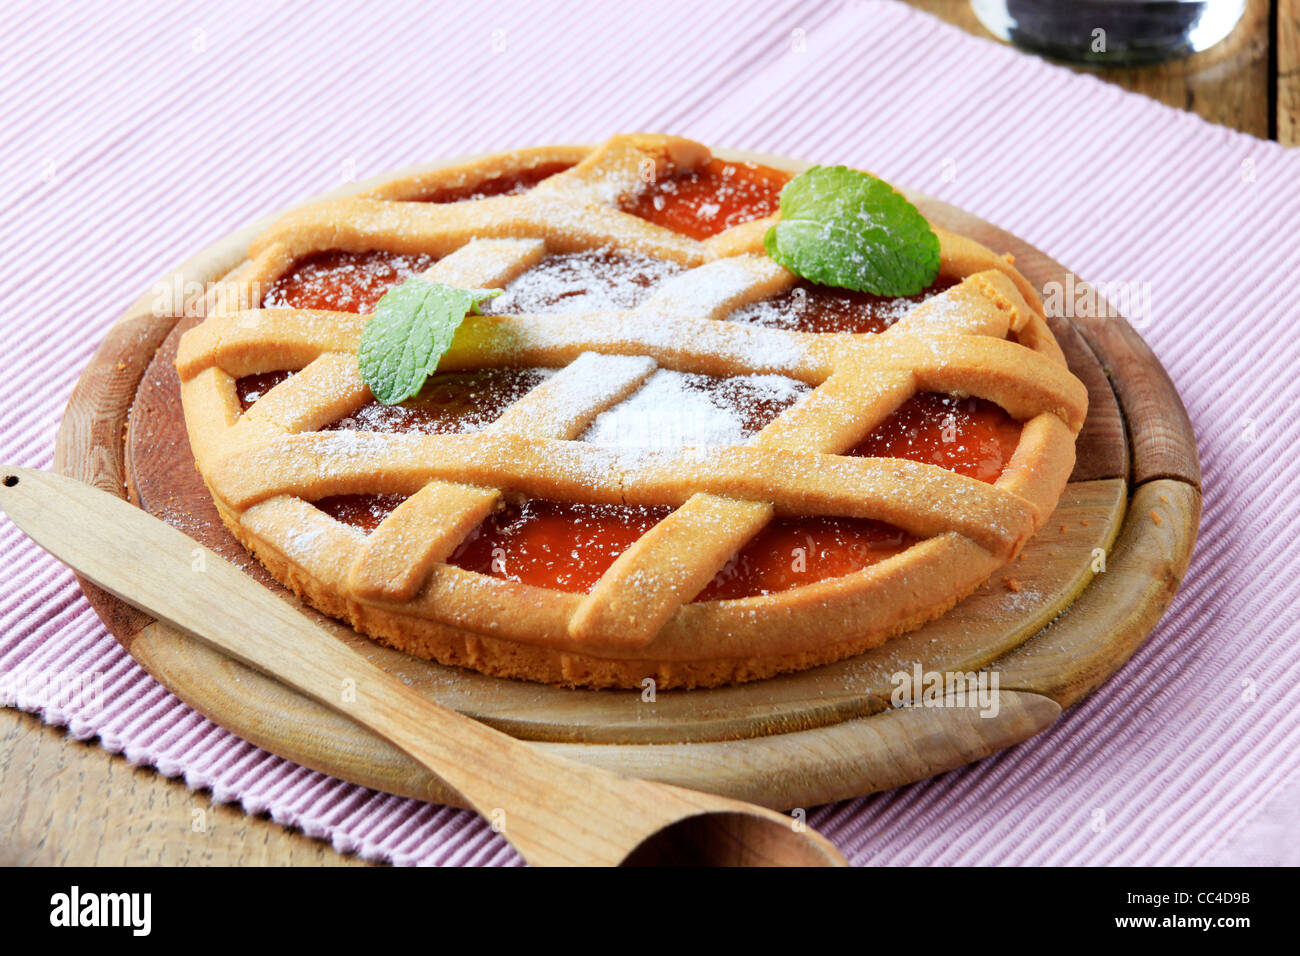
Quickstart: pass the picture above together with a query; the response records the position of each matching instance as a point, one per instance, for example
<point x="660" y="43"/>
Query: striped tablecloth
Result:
<point x="133" y="140"/>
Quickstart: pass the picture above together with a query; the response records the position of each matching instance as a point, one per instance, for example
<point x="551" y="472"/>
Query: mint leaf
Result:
<point x="847" y="228"/>
<point x="411" y="330"/>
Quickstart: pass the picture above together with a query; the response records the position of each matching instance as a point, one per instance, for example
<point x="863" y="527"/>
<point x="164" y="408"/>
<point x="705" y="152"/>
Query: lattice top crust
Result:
<point x="985" y="337"/>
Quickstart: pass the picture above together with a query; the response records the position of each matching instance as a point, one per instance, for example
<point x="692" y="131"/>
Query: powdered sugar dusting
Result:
<point x="808" y="307"/>
<point x="941" y="314"/>
<point x="703" y="291"/>
<point x="675" y="409"/>
<point x="584" y="386"/>
<point x="301" y="543"/>
<point x="450" y="402"/>
<point x="338" y="453"/>
<point x="594" y="280"/>
<point x="660" y="334"/>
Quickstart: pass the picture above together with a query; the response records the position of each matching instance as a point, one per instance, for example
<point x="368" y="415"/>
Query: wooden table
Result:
<point x="1250" y="81"/>
<point x="66" y="802"/>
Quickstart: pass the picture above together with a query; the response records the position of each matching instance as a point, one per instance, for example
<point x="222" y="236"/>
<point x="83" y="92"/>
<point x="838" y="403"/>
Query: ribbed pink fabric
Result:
<point x="130" y="142"/>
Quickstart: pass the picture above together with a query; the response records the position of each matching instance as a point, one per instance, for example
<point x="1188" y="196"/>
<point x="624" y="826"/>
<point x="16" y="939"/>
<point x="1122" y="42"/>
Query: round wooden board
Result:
<point x="1049" y="627"/>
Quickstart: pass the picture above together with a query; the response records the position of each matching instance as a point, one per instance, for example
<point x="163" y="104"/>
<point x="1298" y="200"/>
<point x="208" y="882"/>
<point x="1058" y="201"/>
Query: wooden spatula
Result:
<point x="554" y="811"/>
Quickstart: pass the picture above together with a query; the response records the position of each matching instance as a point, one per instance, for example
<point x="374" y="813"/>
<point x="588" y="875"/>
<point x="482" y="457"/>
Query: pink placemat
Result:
<point x="130" y="142"/>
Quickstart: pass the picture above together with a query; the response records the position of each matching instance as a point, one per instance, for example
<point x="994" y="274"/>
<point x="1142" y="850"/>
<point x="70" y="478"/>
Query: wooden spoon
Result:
<point x="554" y="811"/>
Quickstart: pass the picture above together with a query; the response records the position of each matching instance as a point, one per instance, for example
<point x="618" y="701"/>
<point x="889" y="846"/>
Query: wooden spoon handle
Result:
<point x="552" y="810"/>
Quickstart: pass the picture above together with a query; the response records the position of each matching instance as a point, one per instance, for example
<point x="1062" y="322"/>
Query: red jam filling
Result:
<point x="791" y="552"/>
<point x="970" y="436"/>
<point x="703" y="202"/>
<point x="567" y="546"/>
<point x="967" y="435"/>
<point x="449" y="402"/>
<point x="511" y="184"/>
<point x="808" y="307"/>
<point x="552" y="544"/>
<point x="589" y="281"/>
<point x="343" y="281"/>
<point x="360" y="511"/>
<point x="252" y="387"/>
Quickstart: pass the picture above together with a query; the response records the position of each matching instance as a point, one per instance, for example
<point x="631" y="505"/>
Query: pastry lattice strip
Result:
<point x="724" y="496"/>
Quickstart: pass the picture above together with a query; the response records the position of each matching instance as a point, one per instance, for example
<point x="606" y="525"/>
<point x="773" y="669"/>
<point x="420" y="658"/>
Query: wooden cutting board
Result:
<point x="1053" y="625"/>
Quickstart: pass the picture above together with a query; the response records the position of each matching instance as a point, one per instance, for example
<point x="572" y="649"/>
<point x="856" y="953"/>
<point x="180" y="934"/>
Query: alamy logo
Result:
<point x="75" y="908"/>
<point x="37" y="687"/>
<point x="1103" y="300"/>
<point x="919" y="688"/>
<point x="190" y="298"/>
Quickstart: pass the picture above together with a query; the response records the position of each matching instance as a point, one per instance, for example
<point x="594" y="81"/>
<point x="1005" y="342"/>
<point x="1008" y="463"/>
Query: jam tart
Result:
<point x="657" y="455"/>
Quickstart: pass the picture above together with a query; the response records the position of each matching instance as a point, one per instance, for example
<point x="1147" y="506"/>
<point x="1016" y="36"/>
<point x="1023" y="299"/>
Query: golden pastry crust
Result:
<point x="264" y="466"/>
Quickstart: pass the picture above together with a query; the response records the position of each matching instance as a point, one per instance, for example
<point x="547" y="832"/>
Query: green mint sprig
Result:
<point x="846" y="228"/>
<point x="411" y="330"/>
